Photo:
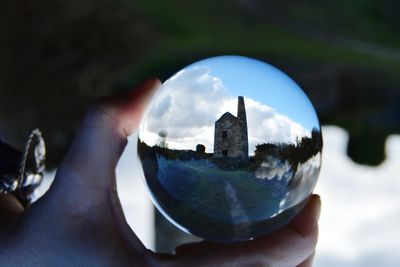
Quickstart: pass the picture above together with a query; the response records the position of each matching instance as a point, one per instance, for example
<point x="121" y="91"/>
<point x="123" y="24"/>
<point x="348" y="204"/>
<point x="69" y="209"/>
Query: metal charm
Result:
<point x="22" y="171"/>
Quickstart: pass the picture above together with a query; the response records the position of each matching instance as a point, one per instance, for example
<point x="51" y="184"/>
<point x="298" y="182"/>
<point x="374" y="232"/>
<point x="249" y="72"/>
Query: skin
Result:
<point x="79" y="221"/>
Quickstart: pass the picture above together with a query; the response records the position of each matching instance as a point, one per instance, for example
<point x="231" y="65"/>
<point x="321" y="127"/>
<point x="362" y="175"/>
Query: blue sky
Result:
<point x="188" y="104"/>
<point x="264" y="83"/>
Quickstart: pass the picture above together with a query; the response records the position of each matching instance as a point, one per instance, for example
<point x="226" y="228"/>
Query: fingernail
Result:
<point x="114" y="104"/>
<point x="139" y="90"/>
<point x="143" y="88"/>
<point x="308" y="262"/>
<point x="318" y="208"/>
<point x="306" y="222"/>
<point x="148" y="83"/>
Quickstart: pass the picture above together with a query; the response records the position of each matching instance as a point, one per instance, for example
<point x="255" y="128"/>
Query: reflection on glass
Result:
<point x="230" y="148"/>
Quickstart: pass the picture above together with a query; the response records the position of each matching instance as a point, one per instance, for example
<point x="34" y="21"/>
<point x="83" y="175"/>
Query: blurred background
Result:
<point x="56" y="56"/>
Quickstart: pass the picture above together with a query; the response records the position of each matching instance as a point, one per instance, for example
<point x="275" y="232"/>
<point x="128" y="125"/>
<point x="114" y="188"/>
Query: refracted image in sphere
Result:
<point x="230" y="148"/>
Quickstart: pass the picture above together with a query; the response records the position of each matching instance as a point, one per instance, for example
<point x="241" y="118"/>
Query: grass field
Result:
<point x="231" y="196"/>
<point x="214" y="203"/>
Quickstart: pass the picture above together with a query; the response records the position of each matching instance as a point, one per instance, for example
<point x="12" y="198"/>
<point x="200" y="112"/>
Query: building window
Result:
<point x="225" y="153"/>
<point x="224" y="134"/>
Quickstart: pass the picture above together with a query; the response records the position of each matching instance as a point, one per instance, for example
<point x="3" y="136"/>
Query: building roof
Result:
<point x="227" y="116"/>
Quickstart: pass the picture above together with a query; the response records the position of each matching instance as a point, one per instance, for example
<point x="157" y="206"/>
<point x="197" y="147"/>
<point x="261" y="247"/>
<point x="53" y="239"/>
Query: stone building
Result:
<point x="230" y="134"/>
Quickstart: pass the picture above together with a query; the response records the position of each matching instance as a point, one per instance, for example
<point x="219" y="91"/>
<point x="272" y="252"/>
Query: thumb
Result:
<point x="103" y="135"/>
<point x="81" y="210"/>
<point x="85" y="180"/>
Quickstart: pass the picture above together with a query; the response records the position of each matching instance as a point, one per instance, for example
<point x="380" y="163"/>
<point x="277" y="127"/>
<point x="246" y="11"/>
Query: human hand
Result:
<point x="80" y="222"/>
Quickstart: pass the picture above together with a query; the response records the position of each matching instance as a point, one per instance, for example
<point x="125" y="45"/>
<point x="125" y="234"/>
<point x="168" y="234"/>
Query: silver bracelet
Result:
<point x="22" y="171"/>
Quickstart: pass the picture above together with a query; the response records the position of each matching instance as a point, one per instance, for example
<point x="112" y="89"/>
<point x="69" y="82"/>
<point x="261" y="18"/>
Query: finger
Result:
<point x="308" y="262"/>
<point x="10" y="211"/>
<point x="289" y="246"/>
<point x="83" y="195"/>
<point x="300" y="224"/>
<point x="104" y="131"/>
<point x="90" y="163"/>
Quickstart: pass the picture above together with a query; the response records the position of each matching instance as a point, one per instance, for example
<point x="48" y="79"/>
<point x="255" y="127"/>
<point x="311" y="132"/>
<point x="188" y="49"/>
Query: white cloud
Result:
<point x="305" y="178"/>
<point x="272" y="167"/>
<point x="360" y="206"/>
<point x="191" y="101"/>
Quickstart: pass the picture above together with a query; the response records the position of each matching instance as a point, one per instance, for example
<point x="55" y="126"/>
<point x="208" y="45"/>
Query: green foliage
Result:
<point x="325" y="31"/>
<point x="296" y="154"/>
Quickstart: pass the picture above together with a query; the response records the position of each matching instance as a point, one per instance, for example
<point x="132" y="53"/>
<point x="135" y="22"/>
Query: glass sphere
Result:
<point x="230" y="148"/>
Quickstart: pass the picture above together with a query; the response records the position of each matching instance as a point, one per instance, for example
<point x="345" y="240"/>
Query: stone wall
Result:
<point x="230" y="135"/>
<point x="227" y="123"/>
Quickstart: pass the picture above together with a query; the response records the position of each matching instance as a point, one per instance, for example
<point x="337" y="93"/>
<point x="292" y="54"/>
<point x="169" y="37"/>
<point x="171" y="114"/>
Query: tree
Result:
<point x="163" y="139"/>
<point x="200" y="148"/>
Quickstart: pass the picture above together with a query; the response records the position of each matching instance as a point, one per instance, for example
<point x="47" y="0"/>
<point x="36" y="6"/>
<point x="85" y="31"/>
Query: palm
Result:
<point x="79" y="222"/>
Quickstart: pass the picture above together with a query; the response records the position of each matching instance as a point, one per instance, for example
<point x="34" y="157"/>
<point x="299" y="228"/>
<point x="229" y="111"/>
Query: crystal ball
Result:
<point x="230" y="148"/>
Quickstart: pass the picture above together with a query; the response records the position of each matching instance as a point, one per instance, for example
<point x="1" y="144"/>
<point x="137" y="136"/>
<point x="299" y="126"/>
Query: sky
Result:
<point x="263" y="82"/>
<point x="189" y="103"/>
<point x="360" y="217"/>
<point x="360" y="204"/>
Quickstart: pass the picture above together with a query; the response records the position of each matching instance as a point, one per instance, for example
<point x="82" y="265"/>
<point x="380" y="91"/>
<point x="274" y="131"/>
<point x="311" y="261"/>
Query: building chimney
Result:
<point x="242" y="142"/>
